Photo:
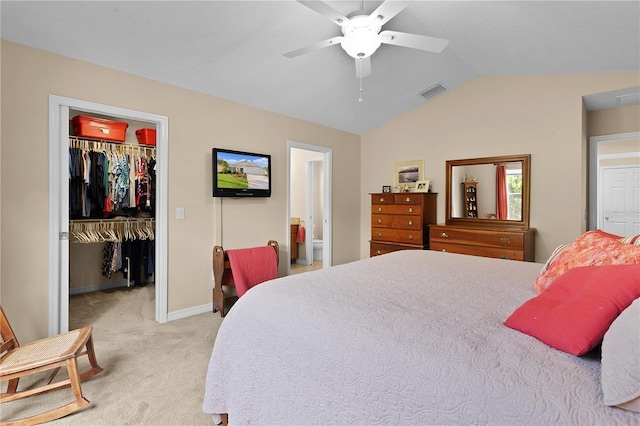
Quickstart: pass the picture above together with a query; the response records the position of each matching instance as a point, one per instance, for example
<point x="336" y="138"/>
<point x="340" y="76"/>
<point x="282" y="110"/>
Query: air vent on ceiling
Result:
<point x="631" y="98"/>
<point x="432" y="91"/>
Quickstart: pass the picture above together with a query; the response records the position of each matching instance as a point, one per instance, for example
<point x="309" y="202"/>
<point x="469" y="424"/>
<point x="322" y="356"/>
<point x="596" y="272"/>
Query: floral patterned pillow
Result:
<point x="595" y="248"/>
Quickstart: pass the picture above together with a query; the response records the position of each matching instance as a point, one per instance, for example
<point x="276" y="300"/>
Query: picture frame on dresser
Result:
<point x="422" y="186"/>
<point x="407" y="172"/>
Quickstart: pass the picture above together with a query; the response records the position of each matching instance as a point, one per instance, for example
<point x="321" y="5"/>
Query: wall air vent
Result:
<point x="631" y="98"/>
<point x="432" y="91"/>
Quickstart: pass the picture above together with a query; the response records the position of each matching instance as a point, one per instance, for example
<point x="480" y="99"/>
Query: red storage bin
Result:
<point x="146" y="136"/>
<point x="99" y="128"/>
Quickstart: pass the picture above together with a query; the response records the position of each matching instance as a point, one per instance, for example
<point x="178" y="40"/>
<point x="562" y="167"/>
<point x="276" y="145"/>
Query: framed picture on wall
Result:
<point x="407" y="172"/>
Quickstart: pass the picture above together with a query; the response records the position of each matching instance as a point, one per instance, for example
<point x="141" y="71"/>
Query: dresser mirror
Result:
<point x="473" y="190"/>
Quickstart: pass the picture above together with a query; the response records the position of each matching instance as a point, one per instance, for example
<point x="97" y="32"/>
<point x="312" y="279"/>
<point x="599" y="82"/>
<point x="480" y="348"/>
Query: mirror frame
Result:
<point x="492" y="223"/>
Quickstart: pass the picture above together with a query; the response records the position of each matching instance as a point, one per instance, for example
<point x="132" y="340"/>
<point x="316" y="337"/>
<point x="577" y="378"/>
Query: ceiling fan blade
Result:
<point x="363" y="67"/>
<point x="388" y="10"/>
<point x="327" y="11"/>
<point x="314" y="46"/>
<point x="414" y="41"/>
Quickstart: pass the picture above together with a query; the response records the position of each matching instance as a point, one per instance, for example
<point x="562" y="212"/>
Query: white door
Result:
<point x="620" y="212"/>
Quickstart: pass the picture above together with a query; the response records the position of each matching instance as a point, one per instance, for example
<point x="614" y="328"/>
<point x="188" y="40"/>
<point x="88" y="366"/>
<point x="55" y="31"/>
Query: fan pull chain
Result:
<point x="360" y="98"/>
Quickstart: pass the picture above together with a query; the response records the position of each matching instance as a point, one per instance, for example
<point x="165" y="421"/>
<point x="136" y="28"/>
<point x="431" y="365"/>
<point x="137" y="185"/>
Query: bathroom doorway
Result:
<point x="309" y="203"/>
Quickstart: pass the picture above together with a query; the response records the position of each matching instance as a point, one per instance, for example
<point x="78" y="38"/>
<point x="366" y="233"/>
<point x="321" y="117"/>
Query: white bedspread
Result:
<point x="408" y="338"/>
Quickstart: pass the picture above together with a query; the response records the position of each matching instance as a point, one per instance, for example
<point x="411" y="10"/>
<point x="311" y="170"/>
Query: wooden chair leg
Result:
<point x="53" y="375"/>
<point x="92" y="357"/>
<point x="72" y="368"/>
<point x="12" y="386"/>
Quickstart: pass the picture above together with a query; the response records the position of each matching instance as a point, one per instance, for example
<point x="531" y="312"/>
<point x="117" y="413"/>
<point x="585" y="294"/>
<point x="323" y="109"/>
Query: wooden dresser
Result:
<point x="505" y="243"/>
<point x="400" y="221"/>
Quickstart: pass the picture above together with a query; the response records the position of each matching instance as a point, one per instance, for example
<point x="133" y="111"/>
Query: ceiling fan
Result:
<point x="362" y="34"/>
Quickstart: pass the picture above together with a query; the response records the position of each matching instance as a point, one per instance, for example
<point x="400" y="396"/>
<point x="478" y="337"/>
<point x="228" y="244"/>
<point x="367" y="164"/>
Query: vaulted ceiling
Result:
<point x="234" y="49"/>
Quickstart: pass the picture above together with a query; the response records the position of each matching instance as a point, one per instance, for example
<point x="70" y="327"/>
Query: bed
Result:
<point x="411" y="338"/>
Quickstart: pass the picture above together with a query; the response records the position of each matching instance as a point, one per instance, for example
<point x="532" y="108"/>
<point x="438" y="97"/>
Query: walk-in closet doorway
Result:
<point x="59" y="114"/>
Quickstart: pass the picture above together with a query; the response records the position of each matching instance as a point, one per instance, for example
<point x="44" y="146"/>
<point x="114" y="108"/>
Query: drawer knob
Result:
<point x="411" y="237"/>
<point x="382" y="199"/>
<point x="410" y="222"/>
<point x="505" y="257"/>
<point x="379" y="234"/>
<point x="379" y="220"/>
<point x="378" y="252"/>
<point x="444" y="235"/>
<point x="408" y="200"/>
<point x="379" y="209"/>
<point x="505" y="240"/>
<point x="444" y="250"/>
<point x="410" y="210"/>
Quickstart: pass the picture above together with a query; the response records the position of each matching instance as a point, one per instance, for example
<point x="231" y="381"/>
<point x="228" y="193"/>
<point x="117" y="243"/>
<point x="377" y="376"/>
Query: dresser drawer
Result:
<point x="395" y="209"/>
<point x="396" y="221"/>
<point x="377" y="249"/>
<point x="407" y="198"/>
<point x="480" y="237"/>
<point x="381" y="199"/>
<point x="483" y="251"/>
<point x="396" y="235"/>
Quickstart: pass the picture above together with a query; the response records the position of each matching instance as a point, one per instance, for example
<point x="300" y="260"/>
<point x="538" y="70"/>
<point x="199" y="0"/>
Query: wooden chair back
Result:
<point x="9" y="339"/>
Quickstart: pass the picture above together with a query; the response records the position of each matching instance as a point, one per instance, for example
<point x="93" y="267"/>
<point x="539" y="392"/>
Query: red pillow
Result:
<point x="574" y="313"/>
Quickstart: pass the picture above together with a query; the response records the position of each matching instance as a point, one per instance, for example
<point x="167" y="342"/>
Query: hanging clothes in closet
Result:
<point x="134" y="258"/>
<point x="107" y="180"/>
<point x="129" y="245"/>
<point x="111" y="188"/>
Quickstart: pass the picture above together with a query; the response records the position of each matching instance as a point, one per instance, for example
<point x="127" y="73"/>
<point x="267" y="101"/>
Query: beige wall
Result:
<point x="196" y="124"/>
<point x="625" y="119"/>
<point x="500" y="115"/>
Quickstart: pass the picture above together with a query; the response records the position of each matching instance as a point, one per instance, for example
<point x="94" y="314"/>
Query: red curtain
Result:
<point x="502" y="208"/>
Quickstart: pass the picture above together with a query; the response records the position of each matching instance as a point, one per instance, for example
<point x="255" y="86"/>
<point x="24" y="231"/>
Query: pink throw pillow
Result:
<point x="575" y="312"/>
<point x="595" y="248"/>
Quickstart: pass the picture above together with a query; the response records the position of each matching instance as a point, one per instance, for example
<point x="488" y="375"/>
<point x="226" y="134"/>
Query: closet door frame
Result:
<point x="59" y="204"/>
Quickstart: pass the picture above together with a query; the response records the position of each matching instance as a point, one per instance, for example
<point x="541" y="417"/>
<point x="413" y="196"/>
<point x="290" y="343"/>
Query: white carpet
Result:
<point x="153" y="373"/>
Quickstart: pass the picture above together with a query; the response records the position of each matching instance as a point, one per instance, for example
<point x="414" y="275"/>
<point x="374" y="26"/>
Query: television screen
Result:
<point x="240" y="174"/>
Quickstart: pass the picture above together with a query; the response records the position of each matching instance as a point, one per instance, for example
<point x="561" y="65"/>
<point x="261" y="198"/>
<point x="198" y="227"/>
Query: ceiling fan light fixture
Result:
<point x="360" y="43"/>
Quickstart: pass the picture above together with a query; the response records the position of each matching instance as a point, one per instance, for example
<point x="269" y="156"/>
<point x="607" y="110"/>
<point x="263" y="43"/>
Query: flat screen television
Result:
<point x="240" y="174"/>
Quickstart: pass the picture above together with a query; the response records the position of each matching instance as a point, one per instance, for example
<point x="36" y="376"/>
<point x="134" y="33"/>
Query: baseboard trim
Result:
<point x="97" y="287"/>
<point x="184" y="313"/>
